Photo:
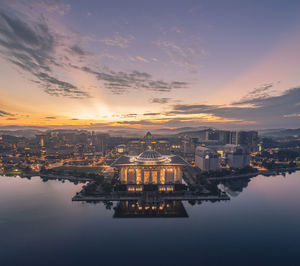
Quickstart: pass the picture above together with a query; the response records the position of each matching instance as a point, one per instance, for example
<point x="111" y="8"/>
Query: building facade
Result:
<point x="150" y="168"/>
<point x="207" y="159"/>
<point x="238" y="159"/>
<point x="137" y="146"/>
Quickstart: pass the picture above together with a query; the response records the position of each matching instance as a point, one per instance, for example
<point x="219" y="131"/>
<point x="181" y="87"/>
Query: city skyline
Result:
<point x="148" y="65"/>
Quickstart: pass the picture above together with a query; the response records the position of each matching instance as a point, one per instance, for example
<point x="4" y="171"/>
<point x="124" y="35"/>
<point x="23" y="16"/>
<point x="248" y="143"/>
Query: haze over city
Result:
<point x="150" y="64"/>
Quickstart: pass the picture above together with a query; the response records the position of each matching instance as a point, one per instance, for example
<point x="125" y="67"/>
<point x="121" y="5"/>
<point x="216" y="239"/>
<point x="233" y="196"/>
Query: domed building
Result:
<point x="150" y="168"/>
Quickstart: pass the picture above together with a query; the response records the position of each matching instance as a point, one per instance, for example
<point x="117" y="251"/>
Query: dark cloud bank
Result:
<point x="282" y="110"/>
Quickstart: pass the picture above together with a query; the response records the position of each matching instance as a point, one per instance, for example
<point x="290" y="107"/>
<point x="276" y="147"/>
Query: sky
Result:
<point x="150" y="64"/>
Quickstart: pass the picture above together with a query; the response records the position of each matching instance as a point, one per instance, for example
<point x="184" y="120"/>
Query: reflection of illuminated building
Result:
<point x="150" y="168"/>
<point x="139" y="209"/>
<point x="234" y="186"/>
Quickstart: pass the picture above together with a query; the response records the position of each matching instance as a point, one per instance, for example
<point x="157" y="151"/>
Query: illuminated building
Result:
<point x="121" y="148"/>
<point x="150" y="168"/>
<point x="207" y="159"/>
<point x="238" y="159"/>
<point x="188" y="147"/>
<point x="42" y="137"/>
<point x="247" y="139"/>
<point x="136" y="146"/>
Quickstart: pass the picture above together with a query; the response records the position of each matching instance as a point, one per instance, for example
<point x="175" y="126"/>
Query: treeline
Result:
<point x="269" y="143"/>
<point x="70" y="172"/>
<point x="105" y="184"/>
<point x="283" y="155"/>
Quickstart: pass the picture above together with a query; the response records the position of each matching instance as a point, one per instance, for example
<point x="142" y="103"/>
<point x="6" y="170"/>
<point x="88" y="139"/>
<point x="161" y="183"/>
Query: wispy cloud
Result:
<point x="79" y="51"/>
<point x="57" y="87"/>
<point x="31" y="46"/>
<point x="36" y="47"/>
<point x="128" y="116"/>
<point x="119" y="40"/>
<point x="160" y="100"/>
<point x="52" y="6"/>
<point x="260" y="92"/>
<point x="140" y="58"/>
<point x="151" y="114"/>
<point x="3" y="113"/>
<point x="178" y="55"/>
<point x="120" y="82"/>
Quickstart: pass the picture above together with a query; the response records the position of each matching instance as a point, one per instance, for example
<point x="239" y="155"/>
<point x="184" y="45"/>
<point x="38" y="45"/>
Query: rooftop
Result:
<point x="150" y="157"/>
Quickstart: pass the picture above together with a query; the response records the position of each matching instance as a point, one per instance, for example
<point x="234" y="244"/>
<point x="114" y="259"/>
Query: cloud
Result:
<point x="31" y="6"/>
<point x="52" y="5"/>
<point x="193" y="109"/>
<point x="119" y="40"/>
<point x="120" y="82"/>
<point x="266" y="111"/>
<point x="260" y="92"/>
<point x="32" y="47"/>
<point x="178" y="55"/>
<point x="128" y="116"/>
<point x="151" y="114"/>
<point x="56" y="87"/>
<point x="50" y="117"/>
<point x="140" y="58"/>
<point x="176" y="121"/>
<point x="3" y="113"/>
<point x="160" y="100"/>
<point x="37" y="47"/>
<point x="79" y="51"/>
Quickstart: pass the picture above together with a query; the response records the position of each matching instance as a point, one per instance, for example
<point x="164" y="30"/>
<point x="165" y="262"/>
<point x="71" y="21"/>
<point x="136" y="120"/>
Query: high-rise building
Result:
<point x="207" y="159"/>
<point x="238" y="159"/>
<point x="246" y="139"/>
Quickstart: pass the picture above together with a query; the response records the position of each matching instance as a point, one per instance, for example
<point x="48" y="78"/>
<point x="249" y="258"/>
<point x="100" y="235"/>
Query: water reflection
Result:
<point x="161" y="208"/>
<point x="140" y="209"/>
<point x="40" y="223"/>
<point x="234" y="187"/>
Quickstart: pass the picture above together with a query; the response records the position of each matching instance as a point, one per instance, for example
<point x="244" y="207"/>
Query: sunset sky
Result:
<point x="150" y="64"/>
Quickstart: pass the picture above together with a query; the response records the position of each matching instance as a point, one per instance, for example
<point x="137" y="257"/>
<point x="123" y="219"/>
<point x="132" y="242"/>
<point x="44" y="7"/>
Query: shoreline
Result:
<point x="249" y="175"/>
<point x="86" y="179"/>
<point x="52" y="177"/>
<point x="161" y="197"/>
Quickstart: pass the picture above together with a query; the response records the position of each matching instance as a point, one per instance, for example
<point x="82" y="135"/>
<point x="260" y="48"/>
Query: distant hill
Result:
<point x="26" y="133"/>
<point x="281" y="133"/>
<point x="180" y="130"/>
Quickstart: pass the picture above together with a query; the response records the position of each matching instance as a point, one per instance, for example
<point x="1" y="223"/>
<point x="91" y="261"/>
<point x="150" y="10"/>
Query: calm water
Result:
<point x="40" y="225"/>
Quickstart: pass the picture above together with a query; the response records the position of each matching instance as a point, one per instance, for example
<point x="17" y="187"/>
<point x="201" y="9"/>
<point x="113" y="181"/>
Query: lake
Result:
<point x="259" y="225"/>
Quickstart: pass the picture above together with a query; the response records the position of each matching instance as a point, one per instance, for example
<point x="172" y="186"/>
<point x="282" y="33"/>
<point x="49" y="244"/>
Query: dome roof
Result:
<point x="150" y="155"/>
